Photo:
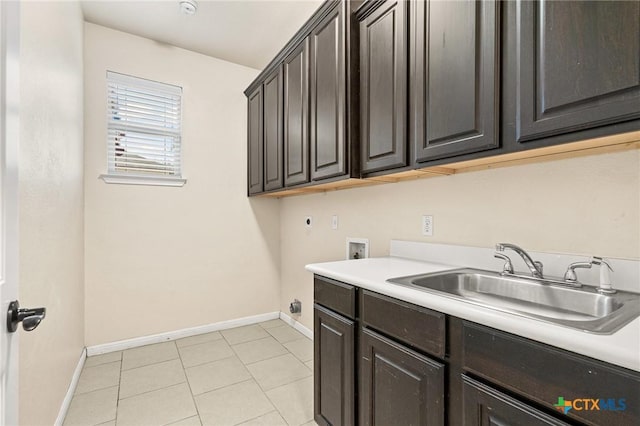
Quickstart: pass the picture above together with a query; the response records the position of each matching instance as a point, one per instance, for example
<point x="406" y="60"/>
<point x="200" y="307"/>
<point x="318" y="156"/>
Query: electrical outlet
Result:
<point x="334" y="222"/>
<point x="427" y="225"/>
<point x="308" y="222"/>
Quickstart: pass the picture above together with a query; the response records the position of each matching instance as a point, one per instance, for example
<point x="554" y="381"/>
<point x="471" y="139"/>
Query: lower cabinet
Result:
<point x="397" y="385"/>
<point x="334" y="375"/>
<point x="415" y="366"/>
<point x="484" y="405"/>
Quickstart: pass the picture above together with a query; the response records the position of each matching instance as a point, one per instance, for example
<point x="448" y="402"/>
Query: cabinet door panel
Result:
<point x="383" y="87"/>
<point x="272" y="93"/>
<point x="454" y="78"/>
<point x="398" y="386"/>
<point x="328" y="139"/>
<point x="296" y="116"/>
<point x="334" y="374"/>
<point x="484" y="406"/>
<point x="544" y="373"/>
<point x="255" y="139"/>
<point x="576" y="64"/>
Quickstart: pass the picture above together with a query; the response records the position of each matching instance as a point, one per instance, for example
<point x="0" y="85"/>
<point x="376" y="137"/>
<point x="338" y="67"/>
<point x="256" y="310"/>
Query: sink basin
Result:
<point x="580" y="308"/>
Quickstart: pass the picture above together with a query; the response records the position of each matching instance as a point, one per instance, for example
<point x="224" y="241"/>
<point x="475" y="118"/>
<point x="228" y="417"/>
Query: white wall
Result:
<point x="51" y="204"/>
<point x="157" y="258"/>
<point x="588" y="205"/>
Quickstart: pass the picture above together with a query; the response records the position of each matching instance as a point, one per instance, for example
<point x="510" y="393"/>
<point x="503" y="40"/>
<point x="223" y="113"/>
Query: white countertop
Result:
<point x="620" y="348"/>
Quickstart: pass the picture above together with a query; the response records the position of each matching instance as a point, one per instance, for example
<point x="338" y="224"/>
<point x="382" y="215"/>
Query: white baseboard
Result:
<point x="66" y="402"/>
<point x="297" y="325"/>
<point x="178" y="334"/>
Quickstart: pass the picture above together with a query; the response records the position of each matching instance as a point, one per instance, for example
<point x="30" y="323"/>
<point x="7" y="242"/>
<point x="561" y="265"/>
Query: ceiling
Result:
<point x="247" y="32"/>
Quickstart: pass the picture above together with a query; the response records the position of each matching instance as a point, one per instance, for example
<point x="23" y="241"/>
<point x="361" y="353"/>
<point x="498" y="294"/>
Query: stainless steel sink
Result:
<point x="580" y="308"/>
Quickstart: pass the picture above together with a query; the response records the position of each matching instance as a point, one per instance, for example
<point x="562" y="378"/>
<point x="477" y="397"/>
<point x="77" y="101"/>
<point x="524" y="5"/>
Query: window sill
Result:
<point x="143" y="180"/>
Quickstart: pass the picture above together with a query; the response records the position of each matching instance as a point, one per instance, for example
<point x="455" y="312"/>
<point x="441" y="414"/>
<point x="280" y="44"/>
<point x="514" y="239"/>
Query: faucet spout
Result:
<point x="534" y="266"/>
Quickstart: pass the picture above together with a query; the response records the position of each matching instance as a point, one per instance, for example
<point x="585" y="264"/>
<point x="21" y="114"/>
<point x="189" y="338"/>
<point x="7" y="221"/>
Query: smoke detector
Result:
<point x="188" y="7"/>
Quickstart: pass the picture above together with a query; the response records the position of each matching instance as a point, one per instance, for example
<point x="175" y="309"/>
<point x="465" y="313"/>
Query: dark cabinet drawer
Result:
<point x="419" y="327"/>
<point x="335" y="295"/>
<point x="484" y="405"/>
<point x="544" y="374"/>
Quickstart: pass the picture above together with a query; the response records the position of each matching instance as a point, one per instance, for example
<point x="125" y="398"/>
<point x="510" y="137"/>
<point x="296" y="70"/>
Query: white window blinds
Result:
<point x="144" y="127"/>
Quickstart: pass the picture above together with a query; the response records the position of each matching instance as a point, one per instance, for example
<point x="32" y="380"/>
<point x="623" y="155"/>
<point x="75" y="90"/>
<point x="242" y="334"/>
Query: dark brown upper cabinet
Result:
<point x="272" y="93"/>
<point x="569" y="66"/>
<point x="328" y="97"/>
<point x="454" y="77"/>
<point x="383" y="85"/>
<point x="309" y="105"/>
<point x="296" y="115"/>
<point x="255" y="142"/>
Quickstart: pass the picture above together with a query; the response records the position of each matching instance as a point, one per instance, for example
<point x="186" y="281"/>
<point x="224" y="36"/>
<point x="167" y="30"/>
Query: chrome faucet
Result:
<point x="605" y="284"/>
<point x="534" y="266"/>
<point x="507" y="268"/>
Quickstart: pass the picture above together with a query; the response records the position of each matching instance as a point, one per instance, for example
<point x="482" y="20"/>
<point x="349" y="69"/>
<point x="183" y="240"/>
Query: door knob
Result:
<point x="30" y="317"/>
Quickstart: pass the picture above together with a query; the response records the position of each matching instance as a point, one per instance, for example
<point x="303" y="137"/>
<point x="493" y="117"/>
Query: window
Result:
<point x="143" y="131"/>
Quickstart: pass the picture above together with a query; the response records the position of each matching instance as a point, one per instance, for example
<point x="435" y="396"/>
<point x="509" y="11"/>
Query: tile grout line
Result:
<point x="119" y="383"/>
<point x="121" y="370"/>
<point x="153" y="363"/>
<point x="273" y="403"/>
<point x="151" y="391"/>
<point x="193" y="397"/>
<point x="257" y="417"/>
<point x="200" y="343"/>
<point x="260" y="360"/>
<point x="227" y="386"/>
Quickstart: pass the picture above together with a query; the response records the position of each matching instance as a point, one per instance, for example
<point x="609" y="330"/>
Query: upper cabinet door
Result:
<point x="383" y="91"/>
<point x="454" y="77"/>
<point x="255" y="147"/>
<point x="296" y="115"/>
<point x="272" y="93"/>
<point x="570" y="66"/>
<point x="328" y="114"/>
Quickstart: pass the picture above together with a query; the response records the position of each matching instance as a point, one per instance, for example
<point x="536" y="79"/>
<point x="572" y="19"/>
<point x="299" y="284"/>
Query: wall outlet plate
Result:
<point x="334" y="222"/>
<point x="357" y="248"/>
<point x="427" y="225"/>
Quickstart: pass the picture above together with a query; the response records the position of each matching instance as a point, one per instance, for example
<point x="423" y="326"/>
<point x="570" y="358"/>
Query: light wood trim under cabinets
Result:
<point x="608" y="144"/>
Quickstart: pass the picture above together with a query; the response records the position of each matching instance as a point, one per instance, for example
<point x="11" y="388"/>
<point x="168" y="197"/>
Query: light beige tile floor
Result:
<point x="259" y="374"/>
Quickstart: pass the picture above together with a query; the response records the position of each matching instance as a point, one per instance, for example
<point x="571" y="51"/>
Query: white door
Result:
<point x="9" y="126"/>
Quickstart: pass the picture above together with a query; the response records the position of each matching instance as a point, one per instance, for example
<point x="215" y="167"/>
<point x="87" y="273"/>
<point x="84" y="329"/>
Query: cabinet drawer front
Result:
<point x="335" y="295"/>
<point x="397" y="385"/>
<point x="545" y="374"/>
<point x="419" y="327"/>
<point x="486" y="406"/>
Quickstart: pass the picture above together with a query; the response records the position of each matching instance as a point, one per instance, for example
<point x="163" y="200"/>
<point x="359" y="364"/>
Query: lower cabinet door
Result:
<point x="397" y="385"/>
<point x="485" y="406"/>
<point x="334" y="375"/>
